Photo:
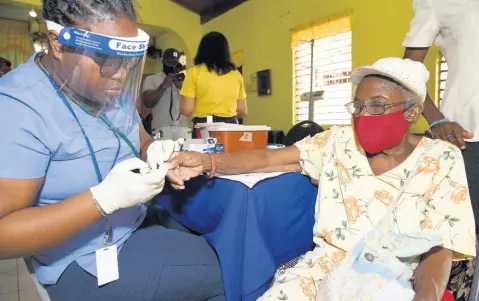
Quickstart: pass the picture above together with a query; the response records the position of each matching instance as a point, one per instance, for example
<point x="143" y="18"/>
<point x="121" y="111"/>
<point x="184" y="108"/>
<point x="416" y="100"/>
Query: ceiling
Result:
<point x="209" y="9"/>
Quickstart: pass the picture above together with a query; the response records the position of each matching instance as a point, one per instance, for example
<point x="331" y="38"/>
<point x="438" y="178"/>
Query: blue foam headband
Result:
<point x="107" y="45"/>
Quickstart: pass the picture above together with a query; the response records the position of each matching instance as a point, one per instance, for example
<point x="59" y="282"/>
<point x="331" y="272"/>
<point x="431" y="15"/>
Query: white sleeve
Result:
<point x="424" y="26"/>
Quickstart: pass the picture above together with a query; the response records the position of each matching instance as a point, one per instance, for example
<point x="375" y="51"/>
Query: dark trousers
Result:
<point x="471" y="161"/>
<point x="157" y="263"/>
<point x="462" y="272"/>
<point x="197" y="120"/>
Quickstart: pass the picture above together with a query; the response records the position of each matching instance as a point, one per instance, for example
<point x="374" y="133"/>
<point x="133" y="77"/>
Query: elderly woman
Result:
<point x="364" y="170"/>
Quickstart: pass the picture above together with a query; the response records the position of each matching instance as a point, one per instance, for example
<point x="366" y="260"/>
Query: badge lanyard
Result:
<point x="110" y="126"/>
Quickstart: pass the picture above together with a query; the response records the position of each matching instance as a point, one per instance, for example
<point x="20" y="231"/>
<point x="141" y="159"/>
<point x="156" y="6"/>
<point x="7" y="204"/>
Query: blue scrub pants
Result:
<point x="161" y="261"/>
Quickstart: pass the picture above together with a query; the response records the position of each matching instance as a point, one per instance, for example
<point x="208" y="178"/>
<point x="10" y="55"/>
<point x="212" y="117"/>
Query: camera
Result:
<point x="176" y="61"/>
<point x="180" y="73"/>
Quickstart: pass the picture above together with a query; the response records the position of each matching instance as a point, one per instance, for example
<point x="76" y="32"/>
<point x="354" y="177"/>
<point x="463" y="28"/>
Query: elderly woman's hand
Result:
<point x="186" y="165"/>
<point x="176" y="179"/>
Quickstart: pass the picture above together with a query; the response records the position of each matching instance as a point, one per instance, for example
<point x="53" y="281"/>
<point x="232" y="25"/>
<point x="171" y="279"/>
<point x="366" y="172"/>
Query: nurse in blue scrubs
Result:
<point x="73" y="177"/>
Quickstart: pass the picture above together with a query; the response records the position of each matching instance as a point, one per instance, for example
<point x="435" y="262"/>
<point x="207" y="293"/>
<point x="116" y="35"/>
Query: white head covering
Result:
<point x="411" y="74"/>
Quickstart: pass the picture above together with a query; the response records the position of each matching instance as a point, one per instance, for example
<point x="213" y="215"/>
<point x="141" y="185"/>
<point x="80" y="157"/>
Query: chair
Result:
<point x="276" y="137"/>
<point x="42" y="292"/>
<point x="301" y="131"/>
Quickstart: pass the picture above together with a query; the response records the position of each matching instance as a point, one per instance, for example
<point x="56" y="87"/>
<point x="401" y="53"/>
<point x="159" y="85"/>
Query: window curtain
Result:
<point x="15" y="42"/>
<point x="323" y="28"/>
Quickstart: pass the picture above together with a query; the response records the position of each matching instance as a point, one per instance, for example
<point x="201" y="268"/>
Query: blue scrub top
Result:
<point x="40" y="138"/>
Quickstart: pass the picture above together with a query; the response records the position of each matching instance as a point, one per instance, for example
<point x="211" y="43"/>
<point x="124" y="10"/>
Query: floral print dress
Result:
<point x="351" y="200"/>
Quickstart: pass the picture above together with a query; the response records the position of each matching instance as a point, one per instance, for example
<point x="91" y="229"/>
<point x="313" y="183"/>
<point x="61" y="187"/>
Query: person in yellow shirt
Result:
<point x="214" y="86"/>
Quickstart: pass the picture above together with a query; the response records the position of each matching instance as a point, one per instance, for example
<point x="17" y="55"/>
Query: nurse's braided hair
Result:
<point x="70" y="12"/>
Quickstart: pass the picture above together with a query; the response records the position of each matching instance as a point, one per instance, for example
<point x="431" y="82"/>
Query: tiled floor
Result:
<point x="15" y="282"/>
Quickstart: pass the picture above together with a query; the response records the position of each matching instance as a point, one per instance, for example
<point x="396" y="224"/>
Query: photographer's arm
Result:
<point x="152" y="97"/>
<point x="152" y="94"/>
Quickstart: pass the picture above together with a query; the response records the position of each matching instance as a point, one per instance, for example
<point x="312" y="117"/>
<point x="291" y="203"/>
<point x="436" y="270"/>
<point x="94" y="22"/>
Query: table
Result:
<point x="252" y="230"/>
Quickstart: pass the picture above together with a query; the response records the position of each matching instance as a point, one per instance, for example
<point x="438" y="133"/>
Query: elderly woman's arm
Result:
<point x="286" y="159"/>
<point x="306" y="156"/>
<point x="432" y="275"/>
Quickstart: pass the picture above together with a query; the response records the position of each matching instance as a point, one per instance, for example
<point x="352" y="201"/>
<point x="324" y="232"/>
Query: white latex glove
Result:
<point x="160" y="151"/>
<point x="122" y="188"/>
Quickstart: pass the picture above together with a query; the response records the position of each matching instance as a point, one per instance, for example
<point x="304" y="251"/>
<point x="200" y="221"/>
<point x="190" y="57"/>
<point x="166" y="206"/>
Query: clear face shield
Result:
<point x="102" y="74"/>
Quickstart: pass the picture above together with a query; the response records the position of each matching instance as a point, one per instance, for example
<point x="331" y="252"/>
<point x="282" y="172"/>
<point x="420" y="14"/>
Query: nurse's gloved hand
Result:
<point x="160" y="151"/>
<point x="123" y="188"/>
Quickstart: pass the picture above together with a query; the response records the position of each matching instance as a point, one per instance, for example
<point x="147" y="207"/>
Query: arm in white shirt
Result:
<point x="432" y="113"/>
<point x="423" y="31"/>
<point x="424" y="26"/>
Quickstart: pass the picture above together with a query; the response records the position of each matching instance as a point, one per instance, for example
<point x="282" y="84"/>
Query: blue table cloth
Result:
<point x="252" y="230"/>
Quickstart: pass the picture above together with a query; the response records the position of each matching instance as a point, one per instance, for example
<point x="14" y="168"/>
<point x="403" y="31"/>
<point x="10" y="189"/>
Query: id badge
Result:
<point x="107" y="265"/>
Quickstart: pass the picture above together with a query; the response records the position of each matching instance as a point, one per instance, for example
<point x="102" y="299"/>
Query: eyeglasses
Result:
<point x="110" y="65"/>
<point x="375" y="108"/>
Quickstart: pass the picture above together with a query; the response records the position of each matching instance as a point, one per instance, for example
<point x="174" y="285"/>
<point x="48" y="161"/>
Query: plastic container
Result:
<point x="235" y="138"/>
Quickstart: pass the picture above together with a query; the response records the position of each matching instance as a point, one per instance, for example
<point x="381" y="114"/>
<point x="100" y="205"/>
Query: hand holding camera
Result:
<point x="168" y="81"/>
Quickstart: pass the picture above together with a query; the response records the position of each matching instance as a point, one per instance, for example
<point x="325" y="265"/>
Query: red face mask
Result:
<point x="377" y="133"/>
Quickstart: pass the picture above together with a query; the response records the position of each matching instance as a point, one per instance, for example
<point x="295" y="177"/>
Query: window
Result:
<point x="331" y="70"/>
<point x="40" y="41"/>
<point x="442" y="76"/>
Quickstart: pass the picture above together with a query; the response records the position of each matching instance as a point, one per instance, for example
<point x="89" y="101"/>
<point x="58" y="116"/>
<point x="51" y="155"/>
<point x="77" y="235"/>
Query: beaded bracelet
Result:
<point x="434" y="123"/>
<point x="213" y="166"/>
